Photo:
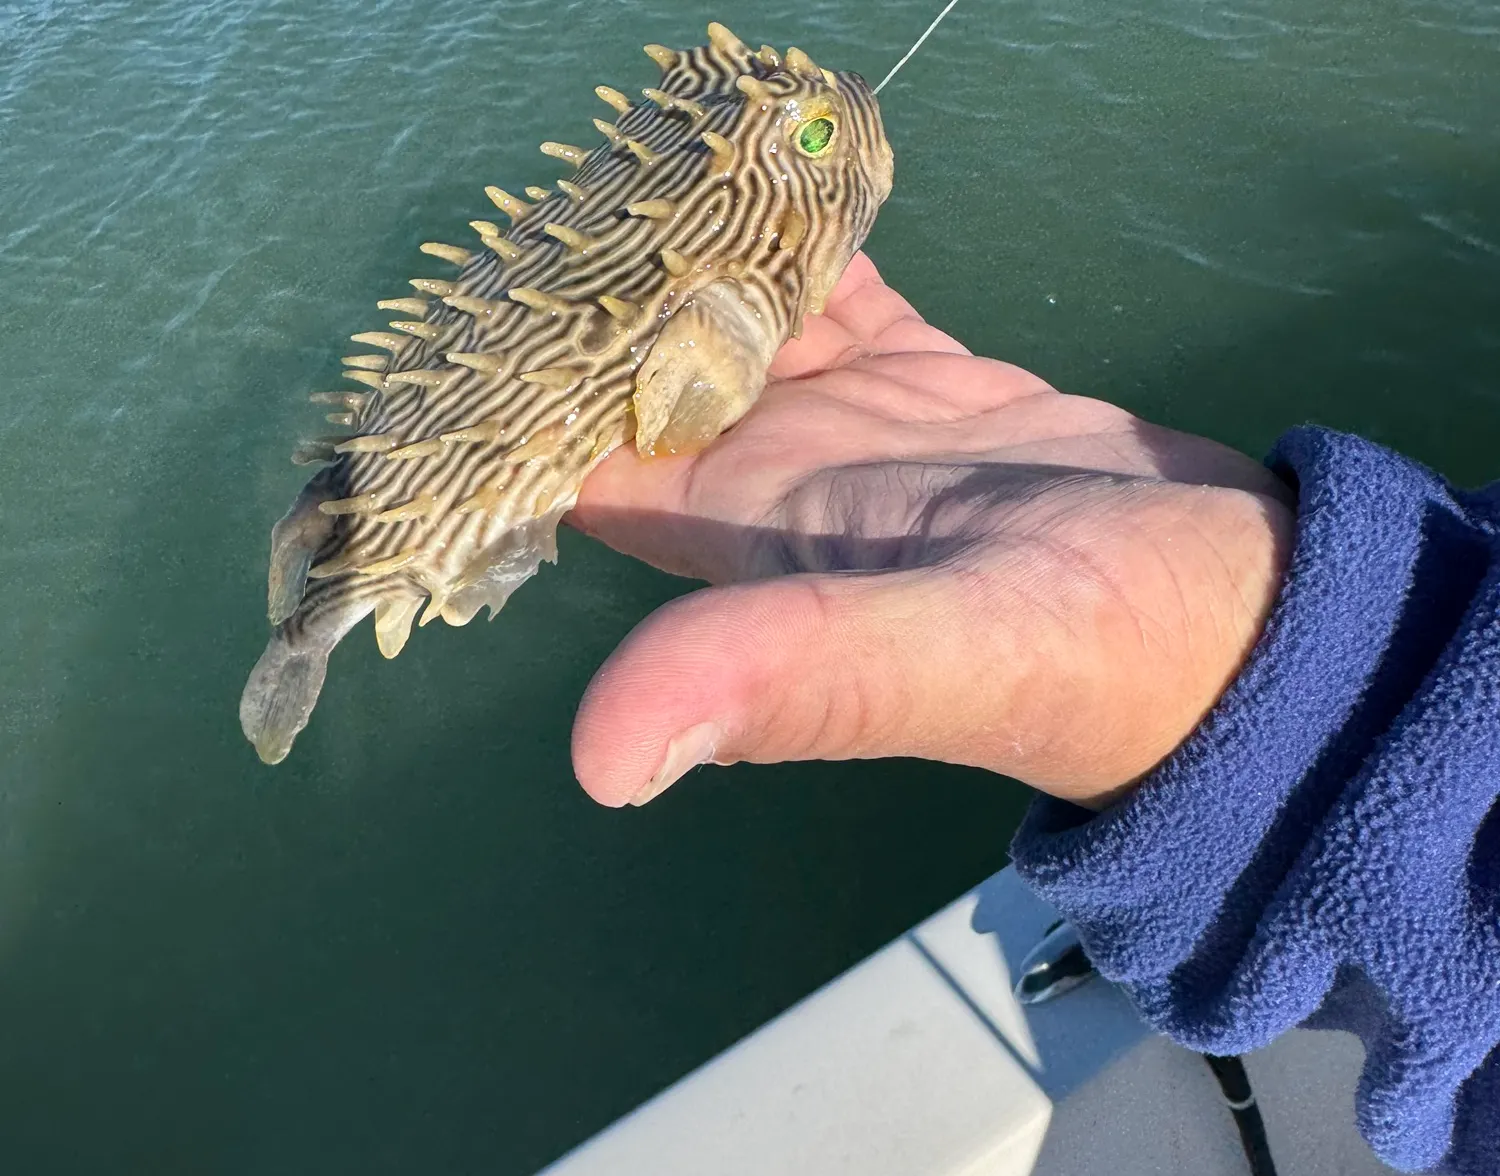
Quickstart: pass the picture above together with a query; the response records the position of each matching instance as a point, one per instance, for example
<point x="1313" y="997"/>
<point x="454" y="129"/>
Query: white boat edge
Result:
<point x="919" y="1061"/>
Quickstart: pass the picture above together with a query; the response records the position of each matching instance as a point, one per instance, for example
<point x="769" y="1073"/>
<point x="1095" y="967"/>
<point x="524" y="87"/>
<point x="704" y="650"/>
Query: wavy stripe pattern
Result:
<point x="473" y="436"/>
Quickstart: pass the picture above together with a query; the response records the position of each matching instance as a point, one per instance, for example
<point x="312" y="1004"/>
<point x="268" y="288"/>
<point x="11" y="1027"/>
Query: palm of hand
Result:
<point x="928" y="553"/>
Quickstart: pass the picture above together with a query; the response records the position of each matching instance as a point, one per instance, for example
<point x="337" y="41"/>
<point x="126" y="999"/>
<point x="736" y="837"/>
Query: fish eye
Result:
<point x="816" y="137"/>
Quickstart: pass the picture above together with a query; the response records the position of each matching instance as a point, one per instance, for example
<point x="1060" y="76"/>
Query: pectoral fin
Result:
<point x="705" y="370"/>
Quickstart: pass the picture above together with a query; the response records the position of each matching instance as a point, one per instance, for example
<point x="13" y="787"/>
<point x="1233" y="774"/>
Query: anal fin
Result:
<point x="492" y="576"/>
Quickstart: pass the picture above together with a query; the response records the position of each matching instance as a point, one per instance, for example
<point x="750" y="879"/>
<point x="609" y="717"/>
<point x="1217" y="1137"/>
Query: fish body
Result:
<point x="641" y="299"/>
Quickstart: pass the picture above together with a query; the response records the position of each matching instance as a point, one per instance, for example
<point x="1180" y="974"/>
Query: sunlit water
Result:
<point x="416" y="946"/>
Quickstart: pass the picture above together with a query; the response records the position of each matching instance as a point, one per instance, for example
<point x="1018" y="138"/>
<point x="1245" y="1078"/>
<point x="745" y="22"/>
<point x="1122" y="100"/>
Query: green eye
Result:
<point x="815" y="137"/>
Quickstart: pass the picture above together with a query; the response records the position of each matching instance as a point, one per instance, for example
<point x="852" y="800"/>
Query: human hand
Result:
<point x="920" y="552"/>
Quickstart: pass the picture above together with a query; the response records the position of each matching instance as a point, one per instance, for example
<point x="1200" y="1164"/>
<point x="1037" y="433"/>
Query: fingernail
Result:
<point x="686" y="751"/>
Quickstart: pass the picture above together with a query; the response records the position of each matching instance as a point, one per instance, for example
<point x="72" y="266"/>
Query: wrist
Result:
<point x="1202" y="573"/>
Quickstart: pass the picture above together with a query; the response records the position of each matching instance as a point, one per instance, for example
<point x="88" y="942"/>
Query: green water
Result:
<point x="416" y="947"/>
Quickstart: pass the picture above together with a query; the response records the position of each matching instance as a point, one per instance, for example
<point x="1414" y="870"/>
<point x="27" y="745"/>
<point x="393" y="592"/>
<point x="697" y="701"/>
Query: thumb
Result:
<point x="800" y="667"/>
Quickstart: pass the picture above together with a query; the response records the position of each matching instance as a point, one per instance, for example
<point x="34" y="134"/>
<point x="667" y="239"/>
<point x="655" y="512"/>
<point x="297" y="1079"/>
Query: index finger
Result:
<point x="879" y="318"/>
<point x="863" y="317"/>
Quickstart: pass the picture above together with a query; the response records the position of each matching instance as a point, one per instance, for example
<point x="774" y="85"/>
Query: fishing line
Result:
<point x="917" y="46"/>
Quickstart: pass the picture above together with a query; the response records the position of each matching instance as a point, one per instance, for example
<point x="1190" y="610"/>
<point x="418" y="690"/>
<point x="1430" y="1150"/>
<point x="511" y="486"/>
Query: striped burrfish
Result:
<point x="641" y="298"/>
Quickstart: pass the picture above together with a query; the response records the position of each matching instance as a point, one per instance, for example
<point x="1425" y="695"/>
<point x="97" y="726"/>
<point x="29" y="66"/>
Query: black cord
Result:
<point x="1060" y="963"/>
<point x="1240" y="1099"/>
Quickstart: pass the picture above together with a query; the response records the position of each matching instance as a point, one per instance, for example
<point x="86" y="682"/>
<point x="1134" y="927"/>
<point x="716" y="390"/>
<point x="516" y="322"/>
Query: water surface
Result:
<point x="416" y="946"/>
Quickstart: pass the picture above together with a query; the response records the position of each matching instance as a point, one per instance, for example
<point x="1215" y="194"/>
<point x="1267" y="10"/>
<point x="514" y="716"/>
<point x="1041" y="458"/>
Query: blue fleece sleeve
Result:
<point x="1325" y="849"/>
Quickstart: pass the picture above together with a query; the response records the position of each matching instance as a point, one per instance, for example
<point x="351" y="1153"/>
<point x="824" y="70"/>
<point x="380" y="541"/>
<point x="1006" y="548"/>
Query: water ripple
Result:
<point x="203" y="198"/>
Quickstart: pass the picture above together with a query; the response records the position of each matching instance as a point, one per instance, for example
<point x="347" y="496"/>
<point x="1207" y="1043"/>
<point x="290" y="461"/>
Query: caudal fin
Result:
<point x="284" y="685"/>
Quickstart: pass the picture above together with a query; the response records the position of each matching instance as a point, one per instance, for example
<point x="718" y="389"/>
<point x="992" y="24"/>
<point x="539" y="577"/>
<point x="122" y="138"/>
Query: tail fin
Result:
<point x="284" y="685"/>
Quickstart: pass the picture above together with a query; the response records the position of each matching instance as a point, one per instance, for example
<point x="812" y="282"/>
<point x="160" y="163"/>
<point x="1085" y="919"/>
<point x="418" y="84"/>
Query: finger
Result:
<point x="801" y="667"/>
<point x="863" y="317"/>
<point x="626" y="481"/>
<point x="826" y="341"/>
<point x="932" y="387"/>
<point x="878" y="317"/>
<point x="823" y="345"/>
<point x="638" y="506"/>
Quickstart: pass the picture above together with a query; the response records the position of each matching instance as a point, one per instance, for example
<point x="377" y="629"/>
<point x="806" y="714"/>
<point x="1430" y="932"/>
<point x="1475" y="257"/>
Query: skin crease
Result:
<point x="915" y="551"/>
